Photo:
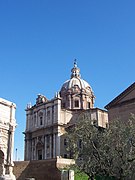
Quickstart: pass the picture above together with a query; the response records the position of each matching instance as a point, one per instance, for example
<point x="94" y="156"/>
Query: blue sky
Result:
<point x="39" y="40"/>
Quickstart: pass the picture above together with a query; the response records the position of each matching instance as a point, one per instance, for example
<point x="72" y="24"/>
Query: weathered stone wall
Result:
<point x="122" y="111"/>
<point x="123" y="105"/>
<point x="40" y="170"/>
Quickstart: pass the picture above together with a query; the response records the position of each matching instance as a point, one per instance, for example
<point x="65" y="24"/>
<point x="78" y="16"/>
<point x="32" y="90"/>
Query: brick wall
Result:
<point x="40" y="170"/>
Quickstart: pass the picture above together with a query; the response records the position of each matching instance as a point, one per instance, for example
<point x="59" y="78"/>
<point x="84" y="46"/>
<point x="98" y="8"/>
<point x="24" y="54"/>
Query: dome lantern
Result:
<point x="75" y="70"/>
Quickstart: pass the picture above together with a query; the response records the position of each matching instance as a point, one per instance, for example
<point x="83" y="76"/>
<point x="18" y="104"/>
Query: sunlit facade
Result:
<point x="47" y="119"/>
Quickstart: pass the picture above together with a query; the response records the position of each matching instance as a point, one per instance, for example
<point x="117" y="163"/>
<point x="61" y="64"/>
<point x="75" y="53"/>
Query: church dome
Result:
<point x="76" y="81"/>
<point x="82" y="84"/>
<point x="76" y="88"/>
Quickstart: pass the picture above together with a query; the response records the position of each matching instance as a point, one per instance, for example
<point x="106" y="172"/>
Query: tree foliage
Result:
<point x="106" y="152"/>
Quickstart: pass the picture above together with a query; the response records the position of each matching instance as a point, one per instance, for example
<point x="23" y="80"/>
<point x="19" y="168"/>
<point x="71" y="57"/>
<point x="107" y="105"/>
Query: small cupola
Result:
<point x="75" y="70"/>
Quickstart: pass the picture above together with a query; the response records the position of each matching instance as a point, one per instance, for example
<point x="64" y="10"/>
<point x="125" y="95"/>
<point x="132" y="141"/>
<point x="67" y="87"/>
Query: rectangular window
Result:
<point x="41" y="120"/>
<point x="76" y="103"/>
<point x="88" y="105"/>
<point x="40" y="154"/>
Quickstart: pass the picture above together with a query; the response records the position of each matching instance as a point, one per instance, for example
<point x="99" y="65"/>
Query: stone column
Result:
<point x="45" y="147"/>
<point x="36" y="119"/>
<point x="71" y="175"/>
<point x="9" y="165"/>
<point x="44" y="118"/>
<point x="50" y="146"/>
<point x="72" y="101"/>
<point x="69" y="101"/>
<point x="32" y="149"/>
<point x="12" y="144"/>
<point x="59" y="111"/>
<point x="83" y="102"/>
<point x="28" y="149"/>
<point x="54" y="146"/>
<point x="58" y="144"/>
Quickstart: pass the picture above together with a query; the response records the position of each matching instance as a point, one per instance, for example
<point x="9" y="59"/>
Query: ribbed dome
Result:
<point x="82" y="84"/>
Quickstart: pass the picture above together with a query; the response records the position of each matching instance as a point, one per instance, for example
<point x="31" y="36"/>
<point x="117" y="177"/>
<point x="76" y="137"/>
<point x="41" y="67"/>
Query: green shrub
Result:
<point x="80" y="175"/>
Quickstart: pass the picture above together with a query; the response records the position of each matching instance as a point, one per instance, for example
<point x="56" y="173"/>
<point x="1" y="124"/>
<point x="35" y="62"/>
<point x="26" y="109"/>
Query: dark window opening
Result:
<point x="88" y="105"/>
<point x="65" y="155"/>
<point x="65" y="142"/>
<point x="80" y="143"/>
<point x="39" y="154"/>
<point x="41" y="120"/>
<point x="76" y="103"/>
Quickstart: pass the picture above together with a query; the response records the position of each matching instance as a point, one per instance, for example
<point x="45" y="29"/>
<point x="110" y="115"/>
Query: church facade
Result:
<point x="47" y="120"/>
